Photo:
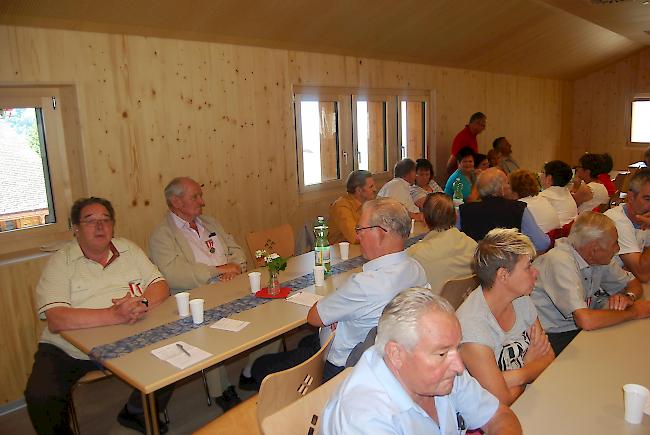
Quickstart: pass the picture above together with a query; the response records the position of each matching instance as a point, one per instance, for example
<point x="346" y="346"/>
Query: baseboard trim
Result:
<point x="10" y="407"/>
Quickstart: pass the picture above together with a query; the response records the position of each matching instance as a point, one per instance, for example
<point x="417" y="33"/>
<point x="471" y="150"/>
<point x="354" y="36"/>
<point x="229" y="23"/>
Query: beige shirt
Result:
<point x="200" y="243"/>
<point x="72" y="280"/>
<point x="444" y="255"/>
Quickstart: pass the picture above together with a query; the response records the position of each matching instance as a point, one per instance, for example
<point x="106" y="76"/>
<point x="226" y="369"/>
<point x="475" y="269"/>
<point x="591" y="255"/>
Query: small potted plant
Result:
<point x="274" y="263"/>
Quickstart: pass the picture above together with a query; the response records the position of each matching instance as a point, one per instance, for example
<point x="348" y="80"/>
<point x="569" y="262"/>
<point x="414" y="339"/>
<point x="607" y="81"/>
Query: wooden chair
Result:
<point x="283" y="241"/>
<point x="276" y="391"/>
<point x="304" y="415"/>
<point x="456" y="290"/>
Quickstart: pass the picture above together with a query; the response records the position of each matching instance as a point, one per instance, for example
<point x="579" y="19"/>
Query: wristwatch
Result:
<point x="145" y="301"/>
<point x="631" y="296"/>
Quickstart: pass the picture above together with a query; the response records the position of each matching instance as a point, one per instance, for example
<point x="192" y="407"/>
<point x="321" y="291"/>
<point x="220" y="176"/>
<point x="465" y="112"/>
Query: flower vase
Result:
<point x="274" y="284"/>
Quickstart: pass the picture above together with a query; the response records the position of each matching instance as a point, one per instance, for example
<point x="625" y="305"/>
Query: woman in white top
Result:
<point x="424" y="182"/>
<point x="525" y="187"/>
<point x="504" y="346"/>
<point x="557" y="175"/>
<point x="590" y="192"/>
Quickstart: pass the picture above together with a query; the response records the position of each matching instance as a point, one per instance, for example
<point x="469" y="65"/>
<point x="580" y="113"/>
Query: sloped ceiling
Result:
<point x="552" y="38"/>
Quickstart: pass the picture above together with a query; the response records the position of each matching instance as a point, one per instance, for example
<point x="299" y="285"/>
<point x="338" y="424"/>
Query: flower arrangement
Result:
<point x="274" y="263"/>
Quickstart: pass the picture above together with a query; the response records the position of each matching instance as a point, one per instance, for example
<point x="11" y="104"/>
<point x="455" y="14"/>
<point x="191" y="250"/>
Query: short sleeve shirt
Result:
<point x="562" y="201"/>
<point x="418" y="193"/>
<point x="567" y="283"/>
<point x="72" y="280"/>
<point x="372" y="401"/>
<point x="480" y="326"/>
<point x="543" y="212"/>
<point x="398" y="189"/>
<point x="630" y="238"/>
<point x="357" y="305"/>
<point x="464" y="139"/>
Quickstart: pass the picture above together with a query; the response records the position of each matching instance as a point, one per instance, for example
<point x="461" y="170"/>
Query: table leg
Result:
<point x="150" y="413"/>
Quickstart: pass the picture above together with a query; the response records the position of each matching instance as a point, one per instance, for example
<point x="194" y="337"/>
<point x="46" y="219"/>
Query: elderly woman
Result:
<point x="465" y="173"/>
<point x="525" y="188"/>
<point x="503" y="346"/>
<point x="590" y="192"/>
<point x="424" y="182"/>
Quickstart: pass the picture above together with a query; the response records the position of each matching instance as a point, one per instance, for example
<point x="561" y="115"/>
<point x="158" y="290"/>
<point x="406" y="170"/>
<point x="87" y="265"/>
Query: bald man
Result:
<point x="495" y="210"/>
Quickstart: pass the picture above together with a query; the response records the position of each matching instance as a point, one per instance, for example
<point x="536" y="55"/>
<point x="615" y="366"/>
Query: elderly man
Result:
<point x="445" y="253"/>
<point x="412" y="381"/>
<point x="356" y="306"/>
<point x="495" y="210"/>
<point x="191" y="249"/>
<point x="631" y="220"/>
<point x="399" y="188"/>
<point x="94" y="280"/>
<point x="579" y="286"/>
<point x="466" y="138"/>
<point x="345" y="211"/>
<point x="507" y="163"/>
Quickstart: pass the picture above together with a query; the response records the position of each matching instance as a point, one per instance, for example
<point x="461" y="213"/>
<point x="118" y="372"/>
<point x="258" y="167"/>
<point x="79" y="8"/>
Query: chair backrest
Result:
<point x="304" y="415"/>
<point x="282" y="237"/>
<point x="456" y="290"/>
<point x="280" y="389"/>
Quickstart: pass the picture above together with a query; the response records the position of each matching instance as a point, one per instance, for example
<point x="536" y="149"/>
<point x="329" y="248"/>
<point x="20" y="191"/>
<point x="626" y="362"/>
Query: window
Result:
<point x="640" y="129"/>
<point x="39" y="153"/>
<point x="340" y="130"/>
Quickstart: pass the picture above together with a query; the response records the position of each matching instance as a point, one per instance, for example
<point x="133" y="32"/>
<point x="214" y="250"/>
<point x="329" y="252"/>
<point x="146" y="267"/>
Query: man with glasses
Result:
<point x="94" y="280"/>
<point x="355" y="307"/>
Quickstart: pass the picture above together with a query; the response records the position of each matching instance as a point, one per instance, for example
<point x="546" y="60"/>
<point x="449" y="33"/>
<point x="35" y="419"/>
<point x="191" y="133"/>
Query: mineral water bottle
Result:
<point x="322" y="246"/>
<point x="458" y="192"/>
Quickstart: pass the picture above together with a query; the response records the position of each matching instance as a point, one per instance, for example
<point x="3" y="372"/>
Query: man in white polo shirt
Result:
<point x="94" y="280"/>
<point x="191" y="249"/>
<point x="632" y="223"/>
<point x="413" y="381"/>
<point x="355" y="307"/>
<point x="399" y="188"/>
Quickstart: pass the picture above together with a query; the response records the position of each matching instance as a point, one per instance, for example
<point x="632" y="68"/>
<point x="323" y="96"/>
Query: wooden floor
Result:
<point x="99" y="403"/>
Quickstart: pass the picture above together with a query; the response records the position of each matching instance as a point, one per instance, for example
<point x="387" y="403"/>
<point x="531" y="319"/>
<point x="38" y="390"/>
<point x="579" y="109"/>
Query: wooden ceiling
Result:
<point x="542" y="38"/>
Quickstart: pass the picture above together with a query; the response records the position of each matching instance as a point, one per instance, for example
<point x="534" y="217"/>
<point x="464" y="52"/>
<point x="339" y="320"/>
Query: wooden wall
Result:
<point x="602" y="109"/>
<point x="151" y="109"/>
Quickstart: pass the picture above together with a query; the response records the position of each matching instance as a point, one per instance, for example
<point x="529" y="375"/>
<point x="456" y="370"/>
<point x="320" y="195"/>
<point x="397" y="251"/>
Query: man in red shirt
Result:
<point x="466" y="138"/>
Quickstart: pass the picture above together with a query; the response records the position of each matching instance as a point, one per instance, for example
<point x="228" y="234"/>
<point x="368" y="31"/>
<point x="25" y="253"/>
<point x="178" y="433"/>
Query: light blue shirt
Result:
<point x="529" y="227"/>
<point x="372" y="401"/>
<point x="358" y="304"/>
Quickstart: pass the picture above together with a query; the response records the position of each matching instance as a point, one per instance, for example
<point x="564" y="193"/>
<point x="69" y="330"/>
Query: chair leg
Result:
<point x="166" y="415"/>
<point x="72" y="414"/>
<point x="207" y="390"/>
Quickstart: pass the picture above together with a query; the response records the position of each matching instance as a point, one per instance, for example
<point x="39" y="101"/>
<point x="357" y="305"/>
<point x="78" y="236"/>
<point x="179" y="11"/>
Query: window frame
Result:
<point x="63" y="164"/>
<point x="636" y="97"/>
<point x="421" y="98"/>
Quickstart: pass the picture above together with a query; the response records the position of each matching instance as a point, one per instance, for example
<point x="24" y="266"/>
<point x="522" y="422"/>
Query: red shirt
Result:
<point x="465" y="138"/>
<point x="604" y="179"/>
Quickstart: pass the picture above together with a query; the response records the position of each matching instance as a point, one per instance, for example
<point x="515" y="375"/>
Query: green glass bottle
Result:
<point x="322" y="245"/>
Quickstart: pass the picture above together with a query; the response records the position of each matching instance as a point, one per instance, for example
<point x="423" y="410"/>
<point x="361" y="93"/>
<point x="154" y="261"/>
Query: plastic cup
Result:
<point x="319" y="276"/>
<point x="183" y="302"/>
<point x="344" y="248"/>
<point x="254" y="278"/>
<point x="412" y="226"/>
<point x="636" y="397"/>
<point x="196" y="307"/>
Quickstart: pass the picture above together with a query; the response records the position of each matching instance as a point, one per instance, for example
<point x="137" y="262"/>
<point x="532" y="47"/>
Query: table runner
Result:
<point x="145" y="338"/>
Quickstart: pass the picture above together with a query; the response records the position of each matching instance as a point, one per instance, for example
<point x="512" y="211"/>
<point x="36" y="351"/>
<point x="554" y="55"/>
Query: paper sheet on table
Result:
<point x="176" y="357"/>
<point x="304" y="298"/>
<point x="227" y="324"/>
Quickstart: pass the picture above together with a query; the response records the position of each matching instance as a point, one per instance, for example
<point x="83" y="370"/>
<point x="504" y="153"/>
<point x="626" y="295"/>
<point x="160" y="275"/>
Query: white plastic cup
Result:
<point x="196" y="307"/>
<point x="183" y="302"/>
<point x="319" y="276"/>
<point x="254" y="278"/>
<point x="636" y="397"/>
<point x="344" y="248"/>
<point x="412" y="226"/>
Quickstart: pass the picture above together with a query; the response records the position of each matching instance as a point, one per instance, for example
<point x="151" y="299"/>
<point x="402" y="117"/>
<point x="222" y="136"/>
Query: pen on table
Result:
<point x="180" y="346"/>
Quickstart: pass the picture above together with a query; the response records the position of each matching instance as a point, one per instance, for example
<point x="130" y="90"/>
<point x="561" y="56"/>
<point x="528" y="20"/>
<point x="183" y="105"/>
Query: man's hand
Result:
<point x="619" y="302"/>
<point x="539" y="345"/>
<point x="129" y="309"/>
<point x="643" y="220"/>
<point x="228" y="271"/>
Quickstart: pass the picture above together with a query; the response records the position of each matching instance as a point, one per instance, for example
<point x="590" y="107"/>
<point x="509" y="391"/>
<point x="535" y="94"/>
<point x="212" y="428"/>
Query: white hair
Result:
<point x="399" y="320"/>
<point x="175" y="188"/>
<point x="590" y="226"/>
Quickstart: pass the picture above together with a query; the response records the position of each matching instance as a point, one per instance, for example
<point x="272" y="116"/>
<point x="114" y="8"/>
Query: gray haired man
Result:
<point x="413" y="379"/>
<point x="579" y="286"/>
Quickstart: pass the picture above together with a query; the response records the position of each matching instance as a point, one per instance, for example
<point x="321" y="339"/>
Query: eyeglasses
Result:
<point x="359" y="229"/>
<point x="96" y="222"/>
